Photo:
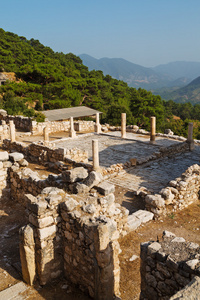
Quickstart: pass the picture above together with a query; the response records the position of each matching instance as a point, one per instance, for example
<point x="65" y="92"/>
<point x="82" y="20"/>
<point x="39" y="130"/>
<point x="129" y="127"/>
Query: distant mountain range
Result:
<point x="169" y="76"/>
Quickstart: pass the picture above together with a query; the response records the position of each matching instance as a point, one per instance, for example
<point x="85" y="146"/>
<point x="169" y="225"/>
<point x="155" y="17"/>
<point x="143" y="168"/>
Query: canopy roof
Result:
<point x="66" y="113"/>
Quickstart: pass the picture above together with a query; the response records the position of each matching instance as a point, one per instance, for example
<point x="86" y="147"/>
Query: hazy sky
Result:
<point x="145" y="32"/>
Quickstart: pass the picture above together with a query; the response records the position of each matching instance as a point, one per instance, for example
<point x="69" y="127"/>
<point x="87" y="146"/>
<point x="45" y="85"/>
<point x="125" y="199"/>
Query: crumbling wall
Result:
<point x="76" y="235"/>
<point x="167" y="266"/>
<point x="182" y="192"/>
<point x="45" y="153"/>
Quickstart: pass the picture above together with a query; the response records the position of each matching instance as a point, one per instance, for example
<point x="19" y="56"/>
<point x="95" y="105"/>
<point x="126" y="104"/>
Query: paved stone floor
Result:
<point x="155" y="175"/>
<point x="113" y="149"/>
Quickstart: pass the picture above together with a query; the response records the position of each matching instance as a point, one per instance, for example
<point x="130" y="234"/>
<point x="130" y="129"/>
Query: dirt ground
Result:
<point x="185" y="224"/>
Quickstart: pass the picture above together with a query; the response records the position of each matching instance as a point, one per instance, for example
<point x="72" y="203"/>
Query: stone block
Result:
<point x="105" y="188"/>
<point x="153" y="248"/>
<point x="46" y="232"/>
<point x="4" y="156"/>
<point x="16" y="156"/>
<point x="133" y="222"/>
<point x="70" y="204"/>
<point x="93" y="179"/>
<point x="155" y="200"/>
<point x="144" y="215"/>
<point x="27" y="254"/>
<point x="74" y="175"/>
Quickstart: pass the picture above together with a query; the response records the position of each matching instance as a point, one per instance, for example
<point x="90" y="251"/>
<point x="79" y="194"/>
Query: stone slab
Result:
<point x="13" y="292"/>
<point x="144" y="215"/>
<point x="16" y="156"/>
<point x="105" y="188"/>
<point x="133" y="222"/>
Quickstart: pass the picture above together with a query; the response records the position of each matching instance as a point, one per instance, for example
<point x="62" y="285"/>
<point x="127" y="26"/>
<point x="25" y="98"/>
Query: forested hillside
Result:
<point x="48" y="80"/>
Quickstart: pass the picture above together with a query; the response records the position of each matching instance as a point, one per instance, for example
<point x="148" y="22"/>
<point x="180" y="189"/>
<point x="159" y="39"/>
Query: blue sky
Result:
<point x="145" y="32"/>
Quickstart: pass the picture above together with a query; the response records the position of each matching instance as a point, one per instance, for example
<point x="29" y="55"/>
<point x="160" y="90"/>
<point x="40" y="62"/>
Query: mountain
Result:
<point x="49" y="80"/>
<point x="178" y="69"/>
<point x="189" y="93"/>
<point x="167" y="77"/>
<point x="121" y="69"/>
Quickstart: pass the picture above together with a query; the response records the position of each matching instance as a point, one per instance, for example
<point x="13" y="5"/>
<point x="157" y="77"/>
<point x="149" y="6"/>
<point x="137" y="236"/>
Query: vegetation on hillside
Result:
<point x="50" y="80"/>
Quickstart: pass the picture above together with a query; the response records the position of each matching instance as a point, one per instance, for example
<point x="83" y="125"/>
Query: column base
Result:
<point x="72" y="134"/>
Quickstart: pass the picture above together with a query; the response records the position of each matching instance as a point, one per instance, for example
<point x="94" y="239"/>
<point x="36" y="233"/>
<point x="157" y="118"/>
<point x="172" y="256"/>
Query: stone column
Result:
<point x="153" y="129"/>
<point x="46" y="134"/>
<point x="27" y="253"/>
<point x="72" y="132"/>
<point x="12" y="131"/>
<point x="190" y="136"/>
<point x="97" y="125"/>
<point x="95" y="154"/>
<point x="123" y="125"/>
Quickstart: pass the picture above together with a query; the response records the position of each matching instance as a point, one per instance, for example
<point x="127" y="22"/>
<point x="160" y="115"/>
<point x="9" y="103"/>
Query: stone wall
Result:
<point x="28" y="124"/>
<point x="60" y="126"/>
<point x="69" y="236"/>
<point x="167" y="266"/>
<point x="182" y="192"/>
<point x="65" y="234"/>
<point x="77" y="235"/>
<point x="22" y="123"/>
<point x="45" y="153"/>
<point x="4" y="166"/>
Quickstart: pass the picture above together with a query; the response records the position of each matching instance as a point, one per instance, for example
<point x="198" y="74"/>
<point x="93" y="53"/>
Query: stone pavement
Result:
<point x="155" y="175"/>
<point x="113" y="149"/>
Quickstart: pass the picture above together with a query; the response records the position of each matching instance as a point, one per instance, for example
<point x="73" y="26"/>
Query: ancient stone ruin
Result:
<point x="73" y="222"/>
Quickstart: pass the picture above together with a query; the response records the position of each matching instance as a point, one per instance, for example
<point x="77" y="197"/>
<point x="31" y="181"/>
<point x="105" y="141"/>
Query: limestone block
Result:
<point x="75" y="174"/>
<point x="133" y="222"/>
<point x="168" y="234"/>
<point x="7" y="164"/>
<point x="153" y="248"/>
<point x="103" y="237"/>
<point x="79" y="188"/>
<point x="23" y="163"/>
<point x="54" y="199"/>
<point x="90" y="208"/>
<point x="46" y="232"/>
<point x="4" y="156"/>
<point x="27" y="254"/>
<point x="105" y="188"/>
<point x="178" y="240"/>
<point x="69" y="204"/>
<point x="52" y="191"/>
<point x="144" y="215"/>
<point x="41" y="223"/>
<point x="34" y="205"/>
<point x="16" y="156"/>
<point x="93" y="179"/>
<point x="155" y="200"/>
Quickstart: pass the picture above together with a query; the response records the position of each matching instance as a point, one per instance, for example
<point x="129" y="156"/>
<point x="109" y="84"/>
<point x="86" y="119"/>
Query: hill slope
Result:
<point x="121" y="69"/>
<point x="49" y="80"/>
<point x="189" y="93"/>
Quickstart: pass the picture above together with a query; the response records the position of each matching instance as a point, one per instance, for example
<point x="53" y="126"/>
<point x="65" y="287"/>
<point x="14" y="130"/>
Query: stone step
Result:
<point x="13" y="292"/>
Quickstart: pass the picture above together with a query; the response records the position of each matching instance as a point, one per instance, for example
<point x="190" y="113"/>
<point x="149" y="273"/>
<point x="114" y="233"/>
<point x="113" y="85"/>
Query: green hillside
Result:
<point x="189" y="93"/>
<point x="50" y="80"/>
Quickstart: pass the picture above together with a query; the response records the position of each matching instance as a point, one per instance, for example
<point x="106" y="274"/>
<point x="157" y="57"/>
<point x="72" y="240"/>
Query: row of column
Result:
<point x="153" y="129"/>
<point x="72" y="132"/>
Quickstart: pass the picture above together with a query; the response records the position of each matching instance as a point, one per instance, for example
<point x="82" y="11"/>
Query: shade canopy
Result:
<point x="66" y="113"/>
